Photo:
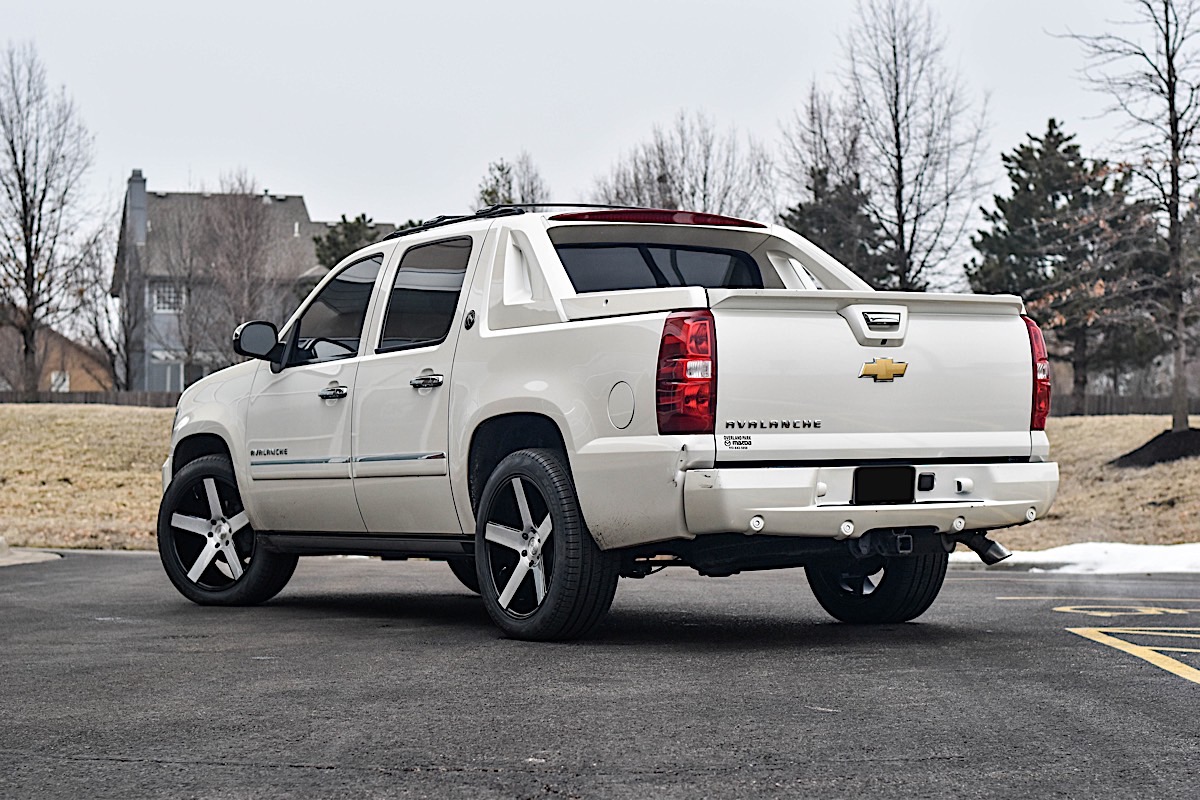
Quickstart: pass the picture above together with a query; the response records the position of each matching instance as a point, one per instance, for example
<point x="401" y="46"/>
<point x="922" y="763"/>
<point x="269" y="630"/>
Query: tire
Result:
<point x="210" y="552"/>
<point x="879" y="590"/>
<point x="464" y="570"/>
<point x="541" y="576"/>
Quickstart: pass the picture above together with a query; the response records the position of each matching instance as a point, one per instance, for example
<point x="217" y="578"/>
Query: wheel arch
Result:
<point x="497" y="437"/>
<point x="198" y="445"/>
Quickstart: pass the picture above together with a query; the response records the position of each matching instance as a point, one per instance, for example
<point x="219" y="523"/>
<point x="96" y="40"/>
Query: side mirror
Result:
<point x="257" y="340"/>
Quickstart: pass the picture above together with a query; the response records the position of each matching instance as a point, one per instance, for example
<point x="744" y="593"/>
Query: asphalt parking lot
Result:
<point x="366" y="678"/>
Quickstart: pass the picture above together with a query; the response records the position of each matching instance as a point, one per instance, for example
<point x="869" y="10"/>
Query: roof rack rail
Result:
<point x="448" y="219"/>
<point x="499" y="210"/>
<point x="560" y="205"/>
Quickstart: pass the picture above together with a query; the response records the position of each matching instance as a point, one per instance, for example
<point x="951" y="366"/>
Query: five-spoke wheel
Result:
<point x="520" y="550"/>
<point x="540" y="573"/>
<point x="206" y="543"/>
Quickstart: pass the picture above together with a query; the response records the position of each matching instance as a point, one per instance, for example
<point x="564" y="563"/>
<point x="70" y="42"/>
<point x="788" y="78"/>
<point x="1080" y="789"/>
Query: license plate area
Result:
<point x="883" y="486"/>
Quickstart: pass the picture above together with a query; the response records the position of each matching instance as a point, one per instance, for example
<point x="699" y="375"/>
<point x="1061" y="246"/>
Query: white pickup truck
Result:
<point x="551" y="401"/>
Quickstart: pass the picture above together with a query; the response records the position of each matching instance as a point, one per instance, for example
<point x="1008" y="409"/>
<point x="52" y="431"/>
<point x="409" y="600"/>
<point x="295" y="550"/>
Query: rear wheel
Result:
<point x="206" y="544"/>
<point x="879" y="590"/>
<point x="541" y="575"/>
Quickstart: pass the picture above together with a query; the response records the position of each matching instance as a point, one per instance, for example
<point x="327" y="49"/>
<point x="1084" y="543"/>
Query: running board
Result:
<point x="386" y="546"/>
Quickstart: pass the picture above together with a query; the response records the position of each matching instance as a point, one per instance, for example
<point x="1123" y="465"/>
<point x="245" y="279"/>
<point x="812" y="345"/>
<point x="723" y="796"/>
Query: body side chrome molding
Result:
<point x="292" y="462"/>
<point x="401" y="457"/>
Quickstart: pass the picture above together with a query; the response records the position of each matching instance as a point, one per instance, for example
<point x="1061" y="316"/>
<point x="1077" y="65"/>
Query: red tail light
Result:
<point x="687" y="373"/>
<point x="1041" y="376"/>
<point x="655" y="216"/>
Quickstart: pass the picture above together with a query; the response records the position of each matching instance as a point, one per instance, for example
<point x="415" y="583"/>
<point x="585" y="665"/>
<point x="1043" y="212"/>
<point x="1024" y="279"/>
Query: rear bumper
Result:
<point x="815" y="501"/>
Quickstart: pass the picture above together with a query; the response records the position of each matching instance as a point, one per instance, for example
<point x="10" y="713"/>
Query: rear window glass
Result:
<point x="612" y="267"/>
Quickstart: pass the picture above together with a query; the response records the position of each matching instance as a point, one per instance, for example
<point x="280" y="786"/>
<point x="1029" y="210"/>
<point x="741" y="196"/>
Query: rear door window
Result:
<point x="424" y="294"/>
<point x="613" y="267"/>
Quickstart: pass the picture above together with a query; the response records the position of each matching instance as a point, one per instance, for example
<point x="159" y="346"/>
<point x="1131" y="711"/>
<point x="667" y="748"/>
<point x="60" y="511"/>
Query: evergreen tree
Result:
<point x="515" y="182"/>
<point x="497" y="186"/>
<point x="344" y="238"/>
<point x="1071" y="241"/>
<point x="835" y="218"/>
<point x="1050" y="182"/>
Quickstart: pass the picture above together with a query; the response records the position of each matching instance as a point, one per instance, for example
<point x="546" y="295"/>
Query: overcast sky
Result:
<point x="396" y="108"/>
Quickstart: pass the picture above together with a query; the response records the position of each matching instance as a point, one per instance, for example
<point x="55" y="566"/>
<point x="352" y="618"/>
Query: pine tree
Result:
<point x="515" y="182"/>
<point x="834" y="217"/>
<point x="343" y="239"/>
<point x="1069" y="239"/>
<point x="1050" y="180"/>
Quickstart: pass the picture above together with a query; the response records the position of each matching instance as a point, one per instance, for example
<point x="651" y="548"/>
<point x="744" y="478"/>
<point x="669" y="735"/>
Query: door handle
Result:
<point x="426" y="381"/>
<point x="333" y="393"/>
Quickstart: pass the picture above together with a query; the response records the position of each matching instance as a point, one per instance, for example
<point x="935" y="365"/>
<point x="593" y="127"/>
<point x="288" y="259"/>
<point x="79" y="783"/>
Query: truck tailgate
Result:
<point x="826" y="376"/>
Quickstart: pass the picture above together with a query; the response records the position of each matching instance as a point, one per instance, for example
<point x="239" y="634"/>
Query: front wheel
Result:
<point x="541" y="575"/>
<point x="206" y="544"/>
<point x="879" y="590"/>
<point x="464" y="570"/>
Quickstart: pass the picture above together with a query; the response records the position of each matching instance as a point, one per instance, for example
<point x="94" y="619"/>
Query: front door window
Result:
<point x="331" y="327"/>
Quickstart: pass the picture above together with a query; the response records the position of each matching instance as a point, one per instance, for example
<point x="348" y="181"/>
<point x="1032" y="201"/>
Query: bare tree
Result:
<point x="822" y="138"/>
<point x="920" y="140"/>
<point x="1153" y="81"/>
<point x="247" y="271"/>
<point x="46" y="151"/>
<point x="690" y="165"/>
<point x="184" y="244"/>
<point x="225" y="257"/>
<point x="826" y="202"/>
<point x="528" y="184"/>
<point x="108" y="315"/>
<point x="515" y="182"/>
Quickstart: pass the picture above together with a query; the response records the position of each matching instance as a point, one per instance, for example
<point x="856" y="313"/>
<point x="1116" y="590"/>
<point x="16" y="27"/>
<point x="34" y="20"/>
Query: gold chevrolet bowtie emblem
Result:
<point x="883" y="369"/>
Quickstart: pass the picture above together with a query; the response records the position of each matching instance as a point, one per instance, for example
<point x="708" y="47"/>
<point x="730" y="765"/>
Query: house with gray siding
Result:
<point x="192" y="265"/>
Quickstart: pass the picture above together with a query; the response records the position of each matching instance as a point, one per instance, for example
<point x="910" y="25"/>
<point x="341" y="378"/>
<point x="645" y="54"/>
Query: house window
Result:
<point x="60" y="381"/>
<point x="168" y="299"/>
<point x="165" y="376"/>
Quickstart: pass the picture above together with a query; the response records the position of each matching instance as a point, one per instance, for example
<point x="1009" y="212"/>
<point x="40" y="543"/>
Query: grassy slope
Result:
<point x="1156" y="505"/>
<point x="87" y="476"/>
<point x="81" y="476"/>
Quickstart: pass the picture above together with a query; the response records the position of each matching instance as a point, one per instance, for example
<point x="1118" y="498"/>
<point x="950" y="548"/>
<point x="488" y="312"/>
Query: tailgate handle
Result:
<point x="882" y="319"/>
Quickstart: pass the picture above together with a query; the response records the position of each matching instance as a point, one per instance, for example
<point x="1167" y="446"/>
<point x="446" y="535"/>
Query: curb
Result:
<point x="12" y="556"/>
<point x="1003" y="566"/>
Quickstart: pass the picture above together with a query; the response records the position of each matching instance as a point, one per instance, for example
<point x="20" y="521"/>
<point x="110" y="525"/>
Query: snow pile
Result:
<point x="1099" y="558"/>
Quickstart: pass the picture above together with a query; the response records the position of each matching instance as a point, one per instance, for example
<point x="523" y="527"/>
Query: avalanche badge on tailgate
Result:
<point x="883" y="369"/>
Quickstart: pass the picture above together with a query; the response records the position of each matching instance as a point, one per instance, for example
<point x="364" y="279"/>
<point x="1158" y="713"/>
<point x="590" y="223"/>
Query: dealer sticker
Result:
<point x="738" y="442"/>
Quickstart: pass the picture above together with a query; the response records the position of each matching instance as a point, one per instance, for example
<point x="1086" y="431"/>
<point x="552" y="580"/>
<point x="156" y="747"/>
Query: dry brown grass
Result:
<point x="81" y="476"/>
<point x="87" y="476"/>
<point x="1099" y="503"/>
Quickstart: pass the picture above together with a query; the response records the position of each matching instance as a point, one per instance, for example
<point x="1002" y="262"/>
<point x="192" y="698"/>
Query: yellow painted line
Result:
<point x="1122" y="611"/>
<point x="1110" y="599"/>
<point x="1150" y="654"/>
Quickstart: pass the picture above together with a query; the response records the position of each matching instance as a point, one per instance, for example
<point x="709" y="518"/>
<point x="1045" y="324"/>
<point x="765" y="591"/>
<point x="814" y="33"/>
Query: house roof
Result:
<point x="176" y="226"/>
<point x="288" y="230"/>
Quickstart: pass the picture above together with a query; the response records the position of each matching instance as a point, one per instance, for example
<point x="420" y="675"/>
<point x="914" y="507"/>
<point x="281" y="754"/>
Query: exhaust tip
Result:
<point x="989" y="552"/>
